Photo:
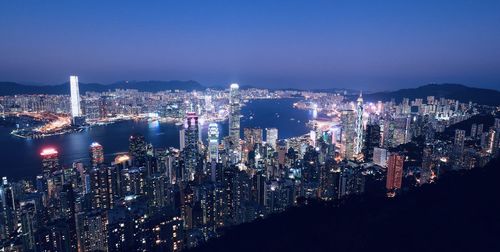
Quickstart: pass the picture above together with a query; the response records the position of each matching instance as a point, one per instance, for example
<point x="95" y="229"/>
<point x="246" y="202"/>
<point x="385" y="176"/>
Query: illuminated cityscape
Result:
<point x="185" y="197"/>
<point x="259" y="126"/>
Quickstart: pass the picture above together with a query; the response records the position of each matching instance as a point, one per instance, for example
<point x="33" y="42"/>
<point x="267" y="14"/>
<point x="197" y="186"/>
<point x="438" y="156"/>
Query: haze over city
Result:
<point x="369" y="45"/>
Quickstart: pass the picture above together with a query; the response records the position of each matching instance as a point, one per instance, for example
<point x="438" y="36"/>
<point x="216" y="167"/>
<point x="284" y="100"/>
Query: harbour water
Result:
<point x="19" y="157"/>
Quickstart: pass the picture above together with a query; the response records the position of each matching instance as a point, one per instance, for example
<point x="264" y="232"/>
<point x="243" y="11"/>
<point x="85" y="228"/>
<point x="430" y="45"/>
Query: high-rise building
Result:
<point x="479" y="129"/>
<point x="182" y="141"/>
<point x="138" y="149"/>
<point x="252" y="136"/>
<point x="394" y="173"/>
<point x="76" y="110"/>
<point x="459" y="140"/>
<point x="91" y="229"/>
<point x="234" y="123"/>
<point x="380" y="156"/>
<point x="7" y="209"/>
<point x="50" y="161"/>
<point x="213" y="142"/>
<point x="473" y="130"/>
<point x="427" y="165"/>
<point x="359" y="126"/>
<point x="191" y="146"/>
<point x="348" y="118"/>
<point x="234" y="111"/>
<point x="96" y="154"/>
<point x="372" y="140"/>
<point x="272" y="137"/>
<point x="496" y="125"/>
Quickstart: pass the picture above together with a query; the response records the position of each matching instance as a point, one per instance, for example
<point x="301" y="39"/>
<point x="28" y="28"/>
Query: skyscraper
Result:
<point x="138" y="149"/>
<point x="96" y="154"/>
<point x="394" y="173"/>
<point x="234" y="112"/>
<point x="234" y="123"/>
<point x="213" y="142"/>
<point x="348" y="118"/>
<point x="372" y="140"/>
<point x="50" y="161"/>
<point x="272" y="137"/>
<point x="252" y="136"/>
<point x="75" y="97"/>
<point x="359" y="126"/>
<point x="191" y="146"/>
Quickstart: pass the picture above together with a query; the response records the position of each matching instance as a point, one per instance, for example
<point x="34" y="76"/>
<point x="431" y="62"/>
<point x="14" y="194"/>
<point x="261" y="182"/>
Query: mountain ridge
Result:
<point x="14" y="88"/>
<point x="448" y="90"/>
<point x="459" y="92"/>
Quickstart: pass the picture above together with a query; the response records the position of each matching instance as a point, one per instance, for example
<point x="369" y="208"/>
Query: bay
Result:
<point x="20" y="157"/>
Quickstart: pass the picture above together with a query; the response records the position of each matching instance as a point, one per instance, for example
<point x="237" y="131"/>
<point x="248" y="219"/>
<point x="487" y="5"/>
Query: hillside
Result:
<point x="12" y="88"/>
<point x="459" y="213"/>
<point x="452" y="91"/>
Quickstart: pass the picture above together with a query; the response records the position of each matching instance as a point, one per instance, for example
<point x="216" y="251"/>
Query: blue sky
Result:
<point x="372" y="45"/>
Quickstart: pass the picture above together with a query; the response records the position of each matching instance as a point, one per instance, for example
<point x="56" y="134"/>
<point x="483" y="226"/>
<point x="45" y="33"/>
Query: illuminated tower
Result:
<point x="213" y="142"/>
<point x="234" y="123"/>
<point x="359" y="126"/>
<point x="191" y="146"/>
<point x="348" y="118"/>
<point x="96" y="154"/>
<point x="234" y="112"/>
<point x="394" y="173"/>
<point x="75" y="97"/>
<point x="50" y="161"/>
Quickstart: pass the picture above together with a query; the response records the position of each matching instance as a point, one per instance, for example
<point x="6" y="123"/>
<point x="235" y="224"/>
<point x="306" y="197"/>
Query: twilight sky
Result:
<point x="372" y="45"/>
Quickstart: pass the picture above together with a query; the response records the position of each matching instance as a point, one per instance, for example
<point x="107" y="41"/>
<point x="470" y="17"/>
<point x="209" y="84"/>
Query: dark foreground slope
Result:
<point x="460" y="213"/>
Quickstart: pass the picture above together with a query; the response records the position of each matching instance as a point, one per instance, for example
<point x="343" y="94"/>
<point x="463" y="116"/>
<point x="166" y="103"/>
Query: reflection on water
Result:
<point x="20" y="156"/>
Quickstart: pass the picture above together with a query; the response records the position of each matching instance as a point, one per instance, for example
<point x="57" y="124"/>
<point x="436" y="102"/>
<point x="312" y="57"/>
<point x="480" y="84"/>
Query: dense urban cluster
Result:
<point x="167" y="199"/>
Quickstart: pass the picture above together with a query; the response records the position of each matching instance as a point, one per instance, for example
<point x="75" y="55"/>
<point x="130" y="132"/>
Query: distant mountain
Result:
<point x="12" y="88"/>
<point x="452" y="91"/>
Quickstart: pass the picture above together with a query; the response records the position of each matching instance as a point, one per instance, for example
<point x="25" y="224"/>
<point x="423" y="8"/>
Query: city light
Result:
<point x="48" y="151"/>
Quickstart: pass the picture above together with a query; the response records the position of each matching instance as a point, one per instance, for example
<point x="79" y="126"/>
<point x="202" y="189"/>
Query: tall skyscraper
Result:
<point x="394" y="173"/>
<point x="75" y="97"/>
<point x="138" y="149"/>
<point x="191" y="146"/>
<point x="234" y="111"/>
<point x="272" y="137"/>
<point x="234" y="123"/>
<point x="213" y="142"/>
<point x="359" y="126"/>
<point x="348" y="118"/>
<point x="50" y="161"/>
<point x="96" y="154"/>
<point x="372" y="140"/>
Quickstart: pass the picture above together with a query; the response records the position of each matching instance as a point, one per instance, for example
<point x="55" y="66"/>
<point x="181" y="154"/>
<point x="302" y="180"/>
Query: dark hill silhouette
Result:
<point x="459" y="213"/>
<point x="451" y="91"/>
<point x="12" y="88"/>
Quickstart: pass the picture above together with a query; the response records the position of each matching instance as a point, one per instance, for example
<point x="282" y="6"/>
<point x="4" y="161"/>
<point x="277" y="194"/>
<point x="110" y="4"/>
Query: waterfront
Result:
<point x="20" y="157"/>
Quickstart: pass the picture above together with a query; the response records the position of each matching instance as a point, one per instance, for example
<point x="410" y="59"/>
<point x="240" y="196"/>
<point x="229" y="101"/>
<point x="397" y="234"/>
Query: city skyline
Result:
<point x="326" y="44"/>
<point x="326" y="125"/>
